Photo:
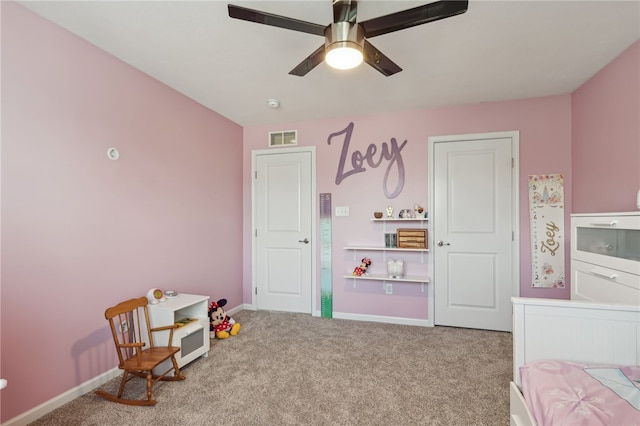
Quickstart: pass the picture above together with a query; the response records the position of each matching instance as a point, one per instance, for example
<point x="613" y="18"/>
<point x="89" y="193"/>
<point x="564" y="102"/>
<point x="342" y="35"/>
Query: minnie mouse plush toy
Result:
<point x="221" y="325"/>
<point x="362" y="269"/>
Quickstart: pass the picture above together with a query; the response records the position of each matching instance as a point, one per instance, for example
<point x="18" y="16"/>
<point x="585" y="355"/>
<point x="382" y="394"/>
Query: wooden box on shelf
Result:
<point x="412" y="238"/>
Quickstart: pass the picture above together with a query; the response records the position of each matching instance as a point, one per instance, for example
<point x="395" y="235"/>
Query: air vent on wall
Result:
<point x="283" y="138"/>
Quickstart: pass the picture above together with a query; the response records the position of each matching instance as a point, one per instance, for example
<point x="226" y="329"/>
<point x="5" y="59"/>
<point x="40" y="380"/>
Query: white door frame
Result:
<point x="515" y="192"/>
<point x="314" y="242"/>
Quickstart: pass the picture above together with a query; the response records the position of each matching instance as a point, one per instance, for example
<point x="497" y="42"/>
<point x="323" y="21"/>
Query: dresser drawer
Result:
<point x="610" y="240"/>
<point x="596" y="283"/>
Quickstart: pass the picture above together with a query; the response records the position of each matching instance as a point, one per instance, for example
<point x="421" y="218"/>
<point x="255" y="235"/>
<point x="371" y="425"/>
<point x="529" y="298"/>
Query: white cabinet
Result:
<point x="416" y="254"/>
<point x="192" y="337"/>
<point x="605" y="257"/>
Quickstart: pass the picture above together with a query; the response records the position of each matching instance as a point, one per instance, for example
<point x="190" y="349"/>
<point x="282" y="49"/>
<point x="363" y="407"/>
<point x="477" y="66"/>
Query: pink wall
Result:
<point x="81" y="232"/>
<point x="606" y="137"/>
<point x="545" y="142"/>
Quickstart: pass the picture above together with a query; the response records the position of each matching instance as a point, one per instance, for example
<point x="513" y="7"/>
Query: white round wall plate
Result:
<point x="113" y="154"/>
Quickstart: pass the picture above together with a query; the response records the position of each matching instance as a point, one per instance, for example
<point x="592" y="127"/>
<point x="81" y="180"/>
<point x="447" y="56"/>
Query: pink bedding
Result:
<point x="565" y="393"/>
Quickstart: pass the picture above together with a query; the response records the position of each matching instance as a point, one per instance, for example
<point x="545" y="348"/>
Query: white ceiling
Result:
<point x="497" y="50"/>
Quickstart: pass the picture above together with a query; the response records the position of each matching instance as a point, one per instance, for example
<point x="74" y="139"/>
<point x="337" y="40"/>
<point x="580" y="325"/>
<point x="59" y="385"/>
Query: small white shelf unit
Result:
<point x="192" y="338"/>
<point x="379" y="277"/>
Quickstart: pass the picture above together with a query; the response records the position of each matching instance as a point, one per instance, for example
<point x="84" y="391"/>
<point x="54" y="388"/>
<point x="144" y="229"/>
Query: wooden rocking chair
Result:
<point x="132" y="331"/>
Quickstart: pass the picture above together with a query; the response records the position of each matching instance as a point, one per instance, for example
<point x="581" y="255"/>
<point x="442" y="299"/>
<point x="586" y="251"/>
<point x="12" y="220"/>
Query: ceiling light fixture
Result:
<point x="343" y="46"/>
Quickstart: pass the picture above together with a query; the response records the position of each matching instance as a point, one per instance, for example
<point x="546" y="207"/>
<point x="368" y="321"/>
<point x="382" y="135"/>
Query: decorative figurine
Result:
<point x="389" y="212"/>
<point x="405" y="214"/>
<point x="395" y="269"/>
<point x="362" y="269"/>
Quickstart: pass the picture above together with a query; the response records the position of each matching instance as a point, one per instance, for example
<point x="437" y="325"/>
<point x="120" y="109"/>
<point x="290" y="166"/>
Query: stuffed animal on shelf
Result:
<point x="362" y="269"/>
<point x="221" y="325"/>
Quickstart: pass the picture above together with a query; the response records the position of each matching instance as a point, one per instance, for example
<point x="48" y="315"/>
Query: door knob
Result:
<point x="442" y="243"/>
<point x="306" y="241"/>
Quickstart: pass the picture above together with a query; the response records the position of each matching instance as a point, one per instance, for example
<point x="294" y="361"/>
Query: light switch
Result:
<point x="342" y="211"/>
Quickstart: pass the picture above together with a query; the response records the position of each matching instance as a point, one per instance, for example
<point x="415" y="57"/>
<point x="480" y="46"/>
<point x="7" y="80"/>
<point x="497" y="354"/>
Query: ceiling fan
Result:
<point x="346" y="44"/>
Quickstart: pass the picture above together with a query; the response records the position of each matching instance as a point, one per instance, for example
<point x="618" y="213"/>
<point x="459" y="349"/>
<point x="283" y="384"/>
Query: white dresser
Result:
<point x="605" y="257"/>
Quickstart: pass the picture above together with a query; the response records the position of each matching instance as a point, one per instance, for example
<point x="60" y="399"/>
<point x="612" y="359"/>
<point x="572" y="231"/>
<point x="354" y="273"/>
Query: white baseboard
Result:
<point x="355" y="317"/>
<point x="381" y="319"/>
<point x="58" y="401"/>
<point x="246" y="306"/>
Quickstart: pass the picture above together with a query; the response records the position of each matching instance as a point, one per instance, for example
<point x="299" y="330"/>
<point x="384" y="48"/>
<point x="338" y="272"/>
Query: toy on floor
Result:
<point x="221" y="325"/>
<point x="362" y="269"/>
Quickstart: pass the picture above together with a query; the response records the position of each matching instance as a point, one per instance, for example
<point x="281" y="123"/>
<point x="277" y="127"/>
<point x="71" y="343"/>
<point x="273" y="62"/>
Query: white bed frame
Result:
<point x="572" y="331"/>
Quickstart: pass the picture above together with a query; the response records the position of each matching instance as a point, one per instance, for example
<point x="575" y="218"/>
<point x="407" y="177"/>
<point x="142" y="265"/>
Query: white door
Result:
<point x="474" y="246"/>
<point x="283" y="218"/>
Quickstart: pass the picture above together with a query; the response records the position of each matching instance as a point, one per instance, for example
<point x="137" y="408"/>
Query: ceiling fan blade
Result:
<point x="412" y="17"/>
<point x="251" y="15"/>
<point x="345" y="11"/>
<point x="309" y="63"/>
<point x="377" y="60"/>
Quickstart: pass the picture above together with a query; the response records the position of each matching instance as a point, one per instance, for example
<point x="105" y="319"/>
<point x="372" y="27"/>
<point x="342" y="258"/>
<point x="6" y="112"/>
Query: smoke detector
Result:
<point x="273" y="103"/>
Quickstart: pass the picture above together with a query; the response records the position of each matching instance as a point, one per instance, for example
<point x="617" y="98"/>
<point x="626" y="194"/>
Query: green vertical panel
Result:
<point x="326" y="289"/>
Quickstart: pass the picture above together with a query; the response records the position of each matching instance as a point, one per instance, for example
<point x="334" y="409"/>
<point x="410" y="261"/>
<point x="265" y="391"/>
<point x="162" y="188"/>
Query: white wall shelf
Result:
<point x="394" y="219"/>
<point x="382" y="277"/>
<point x="405" y="279"/>
<point x="369" y="248"/>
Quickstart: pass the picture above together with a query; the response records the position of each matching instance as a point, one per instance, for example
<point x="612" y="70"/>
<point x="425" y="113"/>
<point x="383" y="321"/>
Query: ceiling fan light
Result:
<point x="343" y="55"/>
<point x="343" y="45"/>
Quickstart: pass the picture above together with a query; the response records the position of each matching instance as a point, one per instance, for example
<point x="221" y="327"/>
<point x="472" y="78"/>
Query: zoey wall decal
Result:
<point x="546" y="207"/>
<point x="392" y="153"/>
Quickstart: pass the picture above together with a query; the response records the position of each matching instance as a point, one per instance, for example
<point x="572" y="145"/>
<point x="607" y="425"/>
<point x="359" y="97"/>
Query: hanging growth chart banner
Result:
<point x="546" y="213"/>
<point x="326" y="270"/>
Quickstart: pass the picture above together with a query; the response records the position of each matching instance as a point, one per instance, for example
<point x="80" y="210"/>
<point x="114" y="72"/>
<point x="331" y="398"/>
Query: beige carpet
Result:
<point x="293" y="369"/>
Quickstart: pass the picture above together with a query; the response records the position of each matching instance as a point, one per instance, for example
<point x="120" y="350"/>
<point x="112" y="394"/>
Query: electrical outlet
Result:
<point x="124" y="326"/>
<point x="342" y="211"/>
<point x="388" y="288"/>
